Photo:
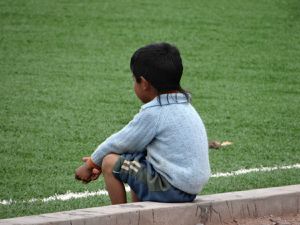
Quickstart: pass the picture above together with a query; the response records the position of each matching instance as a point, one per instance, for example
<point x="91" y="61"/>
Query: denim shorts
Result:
<point x="147" y="184"/>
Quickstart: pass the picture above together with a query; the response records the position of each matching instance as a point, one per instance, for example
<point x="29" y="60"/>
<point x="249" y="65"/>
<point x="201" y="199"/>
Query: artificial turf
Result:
<point x="66" y="86"/>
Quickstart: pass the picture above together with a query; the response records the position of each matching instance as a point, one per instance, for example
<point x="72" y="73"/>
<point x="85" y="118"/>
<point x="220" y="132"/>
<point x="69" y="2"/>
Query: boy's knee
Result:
<point x="109" y="162"/>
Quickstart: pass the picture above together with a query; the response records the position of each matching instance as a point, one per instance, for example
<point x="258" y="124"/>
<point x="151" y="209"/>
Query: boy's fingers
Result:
<point x="77" y="177"/>
<point x="96" y="171"/>
<point x="83" y="180"/>
<point x="95" y="174"/>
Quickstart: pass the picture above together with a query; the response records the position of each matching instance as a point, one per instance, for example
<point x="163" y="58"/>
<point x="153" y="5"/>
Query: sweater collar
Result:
<point x="167" y="99"/>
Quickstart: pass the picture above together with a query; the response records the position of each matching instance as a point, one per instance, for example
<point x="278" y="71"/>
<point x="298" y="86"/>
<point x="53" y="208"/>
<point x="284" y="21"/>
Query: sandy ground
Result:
<point x="268" y="220"/>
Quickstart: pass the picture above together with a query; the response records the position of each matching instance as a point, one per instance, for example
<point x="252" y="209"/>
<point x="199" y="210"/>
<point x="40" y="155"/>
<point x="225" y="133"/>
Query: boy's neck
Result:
<point x="153" y="95"/>
<point x="169" y="92"/>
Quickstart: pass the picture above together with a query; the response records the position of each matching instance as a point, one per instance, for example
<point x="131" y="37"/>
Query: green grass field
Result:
<point x="66" y="86"/>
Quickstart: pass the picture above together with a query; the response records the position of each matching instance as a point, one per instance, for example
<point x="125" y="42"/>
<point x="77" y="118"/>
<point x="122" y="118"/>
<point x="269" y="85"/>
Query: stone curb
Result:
<point x="205" y="210"/>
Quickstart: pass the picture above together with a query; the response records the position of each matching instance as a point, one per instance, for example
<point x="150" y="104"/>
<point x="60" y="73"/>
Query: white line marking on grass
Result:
<point x="63" y="197"/>
<point x="261" y="169"/>
<point x="72" y="195"/>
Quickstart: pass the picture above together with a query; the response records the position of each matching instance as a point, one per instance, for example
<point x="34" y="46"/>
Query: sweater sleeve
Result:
<point x="134" y="137"/>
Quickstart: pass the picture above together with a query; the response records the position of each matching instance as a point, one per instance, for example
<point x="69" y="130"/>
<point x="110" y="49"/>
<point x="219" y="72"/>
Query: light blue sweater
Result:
<point x="174" y="137"/>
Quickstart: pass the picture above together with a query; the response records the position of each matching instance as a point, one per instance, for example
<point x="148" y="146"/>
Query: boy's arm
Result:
<point x="135" y="136"/>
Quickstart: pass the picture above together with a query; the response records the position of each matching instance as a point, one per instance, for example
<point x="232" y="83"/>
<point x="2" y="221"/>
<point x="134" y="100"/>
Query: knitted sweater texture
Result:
<point x="174" y="138"/>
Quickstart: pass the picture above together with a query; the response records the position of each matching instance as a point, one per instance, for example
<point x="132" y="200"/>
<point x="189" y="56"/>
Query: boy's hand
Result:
<point x="86" y="173"/>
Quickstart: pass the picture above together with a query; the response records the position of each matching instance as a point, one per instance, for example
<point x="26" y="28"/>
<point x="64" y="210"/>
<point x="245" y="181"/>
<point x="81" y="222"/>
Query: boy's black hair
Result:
<point x="160" y="64"/>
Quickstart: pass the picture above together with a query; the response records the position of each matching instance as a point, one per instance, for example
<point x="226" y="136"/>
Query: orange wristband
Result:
<point x="92" y="165"/>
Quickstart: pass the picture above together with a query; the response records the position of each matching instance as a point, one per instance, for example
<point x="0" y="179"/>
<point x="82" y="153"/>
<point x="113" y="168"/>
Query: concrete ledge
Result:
<point x="207" y="210"/>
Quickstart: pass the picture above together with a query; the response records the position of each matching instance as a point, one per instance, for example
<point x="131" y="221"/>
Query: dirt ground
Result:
<point x="268" y="220"/>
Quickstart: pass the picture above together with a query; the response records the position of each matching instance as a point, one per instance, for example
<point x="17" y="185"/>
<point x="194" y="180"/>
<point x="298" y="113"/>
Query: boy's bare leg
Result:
<point x="134" y="197"/>
<point x="115" y="188"/>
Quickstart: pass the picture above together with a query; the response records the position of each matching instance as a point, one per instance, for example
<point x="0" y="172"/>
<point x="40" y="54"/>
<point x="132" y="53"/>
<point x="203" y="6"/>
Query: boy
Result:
<point x="162" y="154"/>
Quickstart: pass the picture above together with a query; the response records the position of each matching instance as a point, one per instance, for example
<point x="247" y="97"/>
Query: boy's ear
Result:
<point x="145" y="84"/>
